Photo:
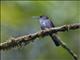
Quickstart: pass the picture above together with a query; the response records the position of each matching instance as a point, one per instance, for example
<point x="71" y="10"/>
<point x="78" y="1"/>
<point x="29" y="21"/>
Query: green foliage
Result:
<point x="16" y="20"/>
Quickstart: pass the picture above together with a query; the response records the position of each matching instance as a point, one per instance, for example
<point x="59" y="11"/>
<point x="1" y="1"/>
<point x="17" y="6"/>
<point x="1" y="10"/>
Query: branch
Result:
<point x="69" y="50"/>
<point x="27" y="38"/>
<point x="24" y="40"/>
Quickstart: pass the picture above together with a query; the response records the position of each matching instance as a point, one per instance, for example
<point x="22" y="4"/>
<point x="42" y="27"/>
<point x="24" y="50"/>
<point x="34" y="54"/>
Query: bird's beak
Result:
<point x="35" y="17"/>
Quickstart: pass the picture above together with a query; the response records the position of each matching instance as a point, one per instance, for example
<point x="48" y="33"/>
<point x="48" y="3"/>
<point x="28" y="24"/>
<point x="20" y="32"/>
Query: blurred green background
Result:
<point x="16" y="20"/>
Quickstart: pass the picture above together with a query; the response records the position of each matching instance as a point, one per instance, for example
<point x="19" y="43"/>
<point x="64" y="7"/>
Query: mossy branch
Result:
<point x="29" y="38"/>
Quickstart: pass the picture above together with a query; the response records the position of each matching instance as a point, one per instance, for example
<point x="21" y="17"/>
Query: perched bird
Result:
<point x="45" y="22"/>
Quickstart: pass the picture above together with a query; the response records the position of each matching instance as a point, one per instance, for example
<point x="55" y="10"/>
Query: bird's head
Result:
<point x="43" y="17"/>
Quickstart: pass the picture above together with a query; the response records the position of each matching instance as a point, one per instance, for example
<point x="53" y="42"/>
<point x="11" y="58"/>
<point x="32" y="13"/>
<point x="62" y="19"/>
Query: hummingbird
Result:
<point x="46" y="23"/>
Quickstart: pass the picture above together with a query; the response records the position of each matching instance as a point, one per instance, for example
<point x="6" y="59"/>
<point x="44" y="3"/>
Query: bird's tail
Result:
<point x="55" y="39"/>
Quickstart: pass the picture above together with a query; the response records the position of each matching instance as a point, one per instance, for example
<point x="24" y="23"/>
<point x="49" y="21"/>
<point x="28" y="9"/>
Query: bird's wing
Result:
<point x="52" y="23"/>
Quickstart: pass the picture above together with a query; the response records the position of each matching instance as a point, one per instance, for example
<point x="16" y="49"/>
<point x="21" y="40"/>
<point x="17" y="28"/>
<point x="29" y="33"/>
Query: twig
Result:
<point x="27" y="38"/>
<point x="69" y="50"/>
<point x="19" y="41"/>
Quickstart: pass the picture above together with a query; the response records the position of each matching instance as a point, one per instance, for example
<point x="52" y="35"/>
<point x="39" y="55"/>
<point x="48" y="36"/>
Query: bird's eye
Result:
<point x="40" y="16"/>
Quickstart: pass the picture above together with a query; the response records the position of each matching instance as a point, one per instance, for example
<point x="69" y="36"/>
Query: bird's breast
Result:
<point x="45" y="24"/>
